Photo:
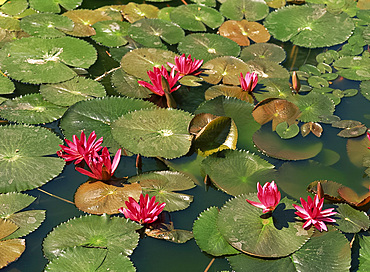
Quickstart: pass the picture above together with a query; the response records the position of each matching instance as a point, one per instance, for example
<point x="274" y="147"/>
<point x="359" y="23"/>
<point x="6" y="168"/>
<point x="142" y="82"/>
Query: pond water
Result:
<point x="155" y="255"/>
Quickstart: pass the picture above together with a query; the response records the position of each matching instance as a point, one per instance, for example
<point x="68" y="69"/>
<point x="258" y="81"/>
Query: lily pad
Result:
<point x="287" y="132"/>
<point x="14" y="202"/>
<point x="27" y="221"/>
<point x="250" y="10"/>
<point x="46" y="25"/>
<point x="351" y="220"/>
<point x="315" y="28"/>
<point x="276" y="236"/>
<point x="208" y="46"/>
<point x="116" y="234"/>
<point x="36" y="60"/>
<point x="207" y="235"/>
<point x="72" y="91"/>
<point x="315" y="128"/>
<point x="111" y="33"/>
<point x="11" y="250"/>
<point x="226" y="68"/>
<point x="329" y="187"/>
<point x="226" y="90"/>
<point x="274" y="88"/>
<point x="97" y="197"/>
<point x="14" y="7"/>
<point x="357" y="150"/>
<point x="54" y="6"/>
<point x="163" y="185"/>
<point x="6" y="85"/>
<point x="164" y="130"/>
<point x="351" y="128"/>
<point x="268" y="69"/>
<point x="149" y="32"/>
<point x="353" y="67"/>
<point x="364" y="257"/>
<point x="133" y="12"/>
<point x="139" y="61"/>
<point x="236" y="171"/>
<point x="240" y="31"/>
<point x="365" y="89"/>
<point x="264" y="51"/>
<point x="30" y="109"/>
<point x="22" y="162"/>
<point x="196" y="17"/>
<point x="239" y="262"/>
<point x="97" y="115"/>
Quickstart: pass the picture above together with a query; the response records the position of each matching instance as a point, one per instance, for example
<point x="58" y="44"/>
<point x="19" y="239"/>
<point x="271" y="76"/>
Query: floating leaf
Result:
<point x="351" y="220"/>
<point x="264" y="51"/>
<point x="316" y="129"/>
<point x="6" y="85"/>
<point x="236" y="171"/>
<point x="164" y="130"/>
<point x="365" y="89"/>
<point x="226" y="90"/>
<point x="98" y="197"/>
<point x="277" y="110"/>
<point x="317" y="82"/>
<point x="190" y="80"/>
<point x="28" y="221"/>
<point x="330" y="189"/>
<point x="149" y="32"/>
<point x="116" y="262"/>
<point x="208" y="46"/>
<point x="294" y="149"/>
<point x="364" y="258"/>
<point x="267" y="69"/>
<point x="207" y="235"/>
<point x="11" y="250"/>
<point x="243" y="227"/>
<point x="250" y="10"/>
<point x="14" y="7"/>
<point x="72" y="91"/>
<point x="36" y="60"/>
<point x="353" y="198"/>
<point x="113" y="11"/>
<point x="274" y="88"/>
<point x="46" y="25"/>
<point x="163" y="185"/>
<point x="54" y="6"/>
<point x="327" y="157"/>
<point x="133" y="12"/>
<point x="30" y="109"/>
<point x="196" y="17"/>
<point x="22" y="162"/>
<point x="315" y="28"/>
<point x="97" y="115"/>
<point x="287" y="132"/>
<point x="7" y="228"/>
<point x="164" y="13"/>
<point x="351" y="128"/>
<point x="208" y="3"/>
<point x="116" y="234"/>
<point x="83" y="20"/>
<point x="139" y="61"/>
<point x="241" y="261"/>
<point x="357" y="149"/>
<point x="353" y="67"/>
<point x="240" y="31"/>
<point x="227" y="69"/>
<point x="111" y="33"/>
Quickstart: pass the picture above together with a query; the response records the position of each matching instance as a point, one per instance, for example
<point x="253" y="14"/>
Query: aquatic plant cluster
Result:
<point x="184" y="85"/>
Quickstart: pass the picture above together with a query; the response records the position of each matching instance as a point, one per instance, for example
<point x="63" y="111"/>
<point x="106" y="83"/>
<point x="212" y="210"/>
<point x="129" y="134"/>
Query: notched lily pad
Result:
<point x="287" y="132"/>
<point x="133" y="12"/>
<point x="230" y="91"/>
<point x="352" y="198"/>
<point x="264" y="51"/>
<point x="353" y="67"/>
<point x="111" y="33"/>
<point x="351" y="128"/>
<point x="351" y="220"/>
<point x="11" y="250"/>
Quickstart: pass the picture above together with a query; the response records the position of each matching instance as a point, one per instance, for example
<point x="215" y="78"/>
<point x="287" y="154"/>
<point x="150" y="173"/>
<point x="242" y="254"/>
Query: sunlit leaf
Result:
<point x="287" y="132"/>
<point x="6" y="85"/>
<point x="351" y="197"/>
<point x="351" y="220"/>
<point x="111" y="33"/>
<point x="264" y="51"/>
<point x="208" y="3"/>
<point x="315" y="128"/>
<point x="250" y="10"/>
<point x="11" y="250"/>
<point x="357" y="149"/>
<point x="241" y="261"/>
<point x="226" y="90"/>
<point x="364" y="258"/>
<point x="330" y="189"/>
<point x="365" y="89"/>
<point x="54" y="6"/>
<point x="113" y="11"/>
<point x="351" y="128"/>
<point x="14" y="7"/>
<point x="133" y="12"/>
<point x="267" y="69"/>
<point x="353" y="67"/>
<point x="7" y="227"/>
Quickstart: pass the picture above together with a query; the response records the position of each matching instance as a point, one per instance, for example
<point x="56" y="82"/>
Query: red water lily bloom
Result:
<point x="100" y="165"/>
<point x="368" y="136"/>
<point x="248" y="82"/>
<point x="80" y="148"/>
<point x="313" y="213"/>
<point x="146" y="212"/>
<point x="155" y="77"/>
<point x="269" y="196"/>
<point x="186" y="66"/>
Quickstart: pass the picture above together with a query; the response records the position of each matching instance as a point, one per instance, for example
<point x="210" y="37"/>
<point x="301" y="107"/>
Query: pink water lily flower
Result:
<point x="368" y="136"/>
<point x="146" y="212"/>
<point x="100" y="165"/>
<point x="155" y="77"/>
<point x="269" y="196"/>
<point x="186" y="66"/>
<point x="248" y="82"/>
<point x="313" y="213"/>
<point x="80" y="148"/>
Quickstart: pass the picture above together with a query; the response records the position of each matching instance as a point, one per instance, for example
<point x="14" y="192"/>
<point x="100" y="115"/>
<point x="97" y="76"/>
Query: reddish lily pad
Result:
<point x="353" y="198"/>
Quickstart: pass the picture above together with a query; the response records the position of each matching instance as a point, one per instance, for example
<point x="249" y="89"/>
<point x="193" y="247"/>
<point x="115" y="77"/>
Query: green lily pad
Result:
<point x="353" y="67"/>
<point x="113" y="11"/>
<point x="226" y="90"/>
<point x="22" y="162"/>
<point x="237" y="171"/>
<point x="133" y="12"/>
<point x="196" y="17"/>
<point x="30" y="109"/>
<point x="83" y="20"/>
<point x="208" y="3"/>
<point x="279" y="235"/>
<point x="226" y="68"/>
<point x="163" y="185"/>
<point x="139" y="61"/>
<point x="315" y="27"/>
<point x="297" y="148"/>
<point x="27" y="221"/>
<point x="364" y="258"/>
<point x="14" y="7"/>
<point x="317" y="82"/>
<point x="72" y="91"/>
<point x="116" y="262"/>
<point x="208" y="46"/>
<point x="46" y="25"/>
<point x="329" y="187"/>
<point x="351" y="128"/>
<point x="351" y="220"/>
<point x="14" y="202"/>
<point x="11" y="250"/>
<point x="239" y="9"/>
<point x="149" y="32"/>
<point x="6" y="85"/>
<point x="264" y="51"/>
<point x="54" y="6"/>
<point x="111" y="33"/>
<point x="207" y="235"/>
<point x="163" y="130"/>
<point x="268" y="69"/>
<point x="239" y="262"/>
<point x="164" y="13"/>
<point x="274" y="88"/>
<point x="97" y="115"/>
<point x="36" y="60"/>
<point x="116" y="234"/>
<point x="10" y="23"/>
<point x="365" y="89"/>
<point x="287" y="132"/>
<point x="335" y="252"/>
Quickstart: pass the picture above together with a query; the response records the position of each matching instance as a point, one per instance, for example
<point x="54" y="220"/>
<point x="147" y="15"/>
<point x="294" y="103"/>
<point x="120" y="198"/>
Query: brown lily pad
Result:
<point x="11" y="250"/>
<point x="241" y="31"/>
<point x="7" y="227"/>
<point x="357" y="149"/>
<point x="277" y="110"/>
<point x="133" y="12"/>
<point x="97" y="197"/>
<point x="313" y="127"/>
<point x="352" y="198"/>
<point x="330" y="189"/>
<point x="226" y="90"/>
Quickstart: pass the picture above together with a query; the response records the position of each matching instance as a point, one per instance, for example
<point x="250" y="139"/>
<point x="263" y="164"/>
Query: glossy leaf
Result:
<point x="54" y="6"/>
<point x="287" y="132"/>
<point x="111" y="33"/>
<point x="264" y="51"/>
<point x="351" y="220"/>
<point x="353" y="67"/>
<point x="250" y="10"/>
<point x="133" y="12"/>
<point x="230" y="91"/>
<point x="11" y="250"/>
